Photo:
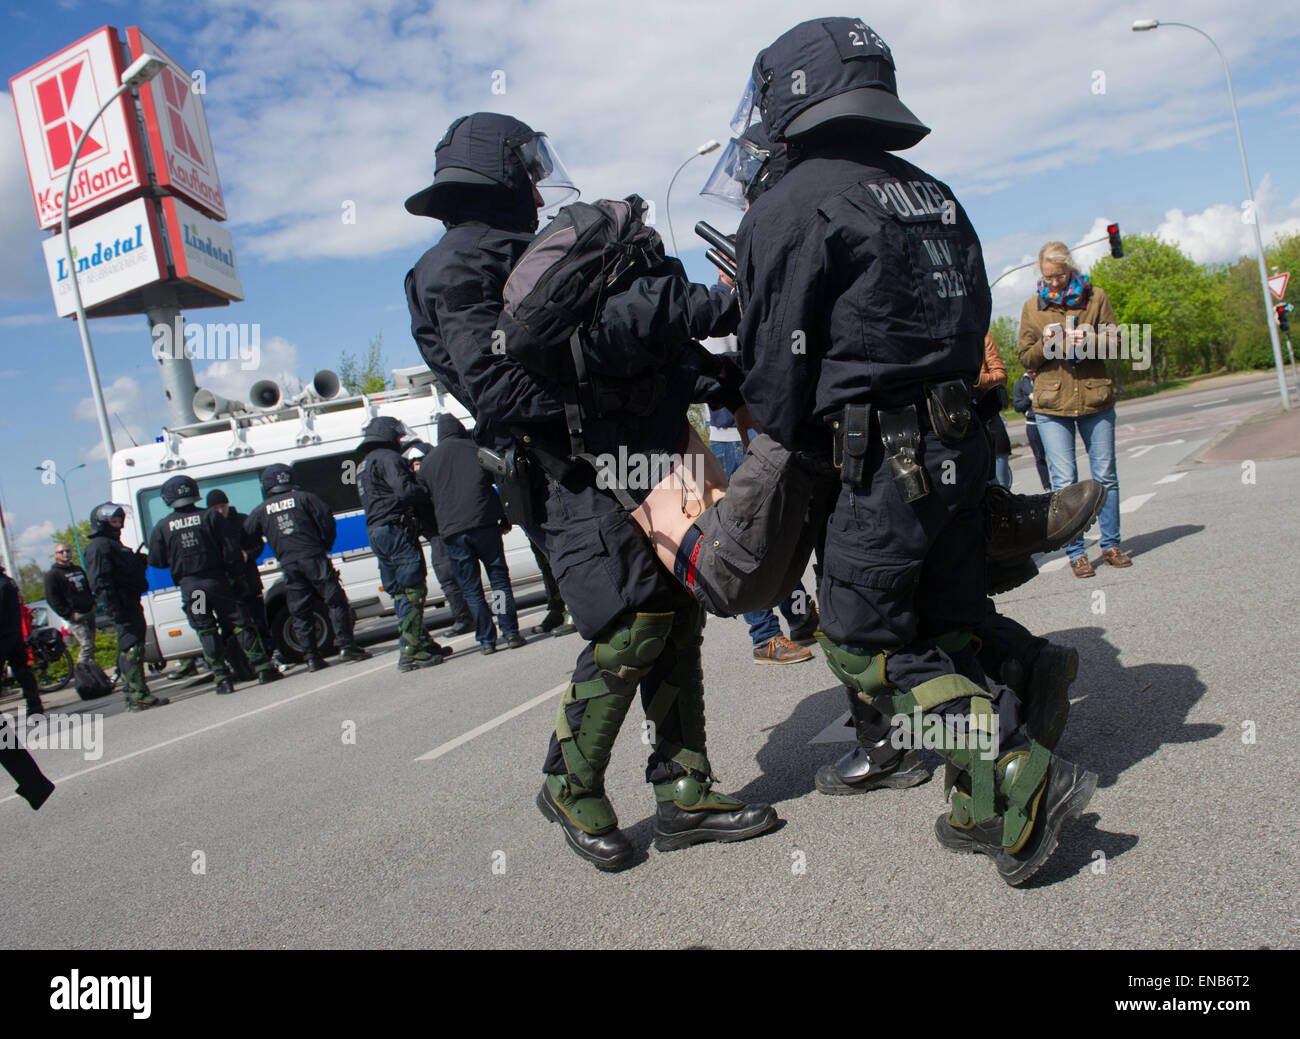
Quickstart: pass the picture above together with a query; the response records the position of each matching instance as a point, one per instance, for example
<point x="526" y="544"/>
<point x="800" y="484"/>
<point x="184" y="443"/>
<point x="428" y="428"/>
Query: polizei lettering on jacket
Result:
<point x="914" y="200"/>
<point x="181" y="522"/>
<point x="279" y="506"/>
<point x="102" y="993"/>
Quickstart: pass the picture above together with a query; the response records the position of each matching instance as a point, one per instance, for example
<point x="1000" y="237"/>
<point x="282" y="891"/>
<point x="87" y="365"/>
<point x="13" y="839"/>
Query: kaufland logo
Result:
<point x="204" y="245"/>
<point x="66" y="100"/>
<point x="178" y="99"/>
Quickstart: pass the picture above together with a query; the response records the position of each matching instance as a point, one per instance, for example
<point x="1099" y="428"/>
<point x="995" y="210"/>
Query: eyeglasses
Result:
<point x="1055" y="279"/>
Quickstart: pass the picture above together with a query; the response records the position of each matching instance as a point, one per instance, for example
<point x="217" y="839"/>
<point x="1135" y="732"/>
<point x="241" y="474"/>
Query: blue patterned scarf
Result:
<point x="1074" y="296"/>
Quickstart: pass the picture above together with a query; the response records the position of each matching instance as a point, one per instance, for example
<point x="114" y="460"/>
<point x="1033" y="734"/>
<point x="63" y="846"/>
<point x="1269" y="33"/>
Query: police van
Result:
<point x="317" y="434"/>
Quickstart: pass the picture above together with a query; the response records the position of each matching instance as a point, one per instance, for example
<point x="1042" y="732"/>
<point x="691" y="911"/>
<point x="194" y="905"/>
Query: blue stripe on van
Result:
<point x="349" y="536"/>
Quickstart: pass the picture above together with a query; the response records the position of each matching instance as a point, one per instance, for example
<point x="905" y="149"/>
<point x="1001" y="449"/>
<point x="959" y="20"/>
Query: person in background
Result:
<point x="471" y="522"/>
<point x="1023" y="401"/>
<point x="443" y="568"/>
<point x="1072" y="391"/>
<point x="728" y="444"/>
<point x="67" y="590"/>
<point x="245" y="576"/>
<point x="13" y="642"/>
<point x="993" y="379"/>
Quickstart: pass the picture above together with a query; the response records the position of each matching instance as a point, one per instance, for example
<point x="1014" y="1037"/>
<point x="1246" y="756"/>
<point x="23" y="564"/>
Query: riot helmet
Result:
<point x="101" y="515"/>
<point x="749" y="166"/>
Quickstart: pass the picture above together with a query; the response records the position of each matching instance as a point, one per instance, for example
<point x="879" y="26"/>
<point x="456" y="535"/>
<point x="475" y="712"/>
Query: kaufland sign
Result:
<point x="55" y="101"/>
<point x="178" y="131"/>
<point x="115" y="253"/>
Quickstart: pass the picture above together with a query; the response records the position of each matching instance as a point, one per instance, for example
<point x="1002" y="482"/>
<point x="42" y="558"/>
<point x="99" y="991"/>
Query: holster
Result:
<point x="901" y="435"/>
<point x="950" y="410"/>
<point x="512" y="473"/>
<point x="851" y="430"/>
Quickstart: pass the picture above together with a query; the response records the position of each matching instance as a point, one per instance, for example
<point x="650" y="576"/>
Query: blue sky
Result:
<point x="314" y="104"/>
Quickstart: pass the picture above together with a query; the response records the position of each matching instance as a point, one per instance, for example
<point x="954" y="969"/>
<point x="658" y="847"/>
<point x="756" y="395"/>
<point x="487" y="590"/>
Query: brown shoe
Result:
<point x="1082" y="568"/>
<point x="781" y="650"/>
<point x="1117" y="557"/>
<point x="1021" y="524"/>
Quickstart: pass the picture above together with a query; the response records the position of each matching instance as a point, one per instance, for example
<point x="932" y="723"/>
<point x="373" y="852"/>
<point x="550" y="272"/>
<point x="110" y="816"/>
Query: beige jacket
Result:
<point x="1061" y="388"/>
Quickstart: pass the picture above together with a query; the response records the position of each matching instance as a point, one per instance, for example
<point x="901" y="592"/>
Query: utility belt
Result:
<point x="514" y="471"/>
<point x="945" y="410"/>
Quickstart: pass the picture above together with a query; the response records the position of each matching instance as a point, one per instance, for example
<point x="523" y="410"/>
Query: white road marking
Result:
<point x="1172" y="477"/>
<point x="839" y="731"/>
<point x="1138" y="452"/>
<point x="1060" y="563"/>
<point x="1135" y="502"/>
<point x="215" y="725"/>
<point x="488" y="726"/>
<point x="1211" y="403"/>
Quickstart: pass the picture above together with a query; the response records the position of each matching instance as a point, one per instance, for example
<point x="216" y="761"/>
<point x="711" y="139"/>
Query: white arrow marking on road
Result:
<point x="500" y="719"/>
<point x="1135" y="502"/>
<point x="1171" y="478"/>
<point x="1138" y="452"/>
<point x="1054" y="564"/>
<point x="839" y="731"/>
<point x="1208" y="403"/>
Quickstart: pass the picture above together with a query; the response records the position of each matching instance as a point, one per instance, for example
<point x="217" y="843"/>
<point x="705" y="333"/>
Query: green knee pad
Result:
<point x="133" y="684"/>
<point x="624" y="657"/>
<point x="257" y="655"/>
<point x="683" y="686"/>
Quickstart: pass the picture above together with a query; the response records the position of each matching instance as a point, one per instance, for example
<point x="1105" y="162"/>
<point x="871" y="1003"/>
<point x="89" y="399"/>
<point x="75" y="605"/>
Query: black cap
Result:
<point x="828" y="69"/>
<point x="478" y="159"/>
<point x="180" y="491"/>
<point x="217" y="497"/>
<point x="276" y="478"/>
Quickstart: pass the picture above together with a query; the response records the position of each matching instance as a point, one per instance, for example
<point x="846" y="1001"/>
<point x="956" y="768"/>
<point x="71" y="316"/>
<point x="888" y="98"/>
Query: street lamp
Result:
<point x="710" y="145"/>
<point x="72" y="519"/>
<point x="143" y="69"/>
<point x="1146" y="25"/>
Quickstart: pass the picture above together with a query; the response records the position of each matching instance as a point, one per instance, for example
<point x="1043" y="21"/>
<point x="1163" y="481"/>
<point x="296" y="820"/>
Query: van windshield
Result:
<point x="332" y="477"/>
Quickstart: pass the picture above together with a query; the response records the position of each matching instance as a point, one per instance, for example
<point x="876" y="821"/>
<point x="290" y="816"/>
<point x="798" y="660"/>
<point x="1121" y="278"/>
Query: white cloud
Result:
<point x="36" y="542"/>
<point x="133" y="413"/>
<point x="309" y="110"/>
<point x="278" y="361"/>
<point x="1221" y="233"/>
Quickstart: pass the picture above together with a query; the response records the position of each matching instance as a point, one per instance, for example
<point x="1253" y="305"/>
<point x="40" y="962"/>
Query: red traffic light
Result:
<point x="1116" y="244"/>
<point x="1282" y="309"/>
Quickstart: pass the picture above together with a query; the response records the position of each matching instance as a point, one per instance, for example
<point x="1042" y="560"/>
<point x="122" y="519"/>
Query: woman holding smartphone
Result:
<point x="1060" y="339"/>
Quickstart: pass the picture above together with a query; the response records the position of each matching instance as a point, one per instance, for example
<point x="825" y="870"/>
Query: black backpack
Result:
<point x="587" y="253"/>
<point x="90" y="681"/>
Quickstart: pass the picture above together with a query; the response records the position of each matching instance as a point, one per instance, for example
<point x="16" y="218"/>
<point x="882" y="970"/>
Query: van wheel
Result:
<point x="287" y="642"/>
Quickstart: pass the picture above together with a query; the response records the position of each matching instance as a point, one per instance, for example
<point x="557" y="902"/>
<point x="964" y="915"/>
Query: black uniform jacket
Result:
<point x="190" y="542"/>
<point x="860" y="280"/>
<point x="389" y="492"/>
<point x="297" y="524"/>
<point x="118" y="576"/>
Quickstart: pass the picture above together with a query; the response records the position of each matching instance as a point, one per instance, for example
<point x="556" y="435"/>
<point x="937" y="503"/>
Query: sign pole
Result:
<point x="167" y="327"/>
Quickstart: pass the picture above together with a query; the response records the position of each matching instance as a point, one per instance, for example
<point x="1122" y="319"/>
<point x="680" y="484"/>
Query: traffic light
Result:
<point x="1282" y="322"/>
<point x="1116" y="246"/>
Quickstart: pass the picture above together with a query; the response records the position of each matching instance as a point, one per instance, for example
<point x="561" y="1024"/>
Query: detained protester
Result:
<point x="245" y="577"/>
<point x="193" y="545"/>
<point x="852" y="243"/>
<point x="391" y="498"/>
<point x="1072" y="390"/>
<point x="470" y="520"/>
<point x="118" y="577"/>
<point x="492" y="174"/>
<point x="299" y="527"/>
<point x="462" y="620"/>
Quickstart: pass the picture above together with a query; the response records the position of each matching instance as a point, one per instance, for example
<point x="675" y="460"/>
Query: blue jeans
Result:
<point x="1098" y="433"/>
<point x="467" y="550"/>
<point x="763" y="625"/>
<point x="401" y="563"/>
<point x="1002" y="471"/>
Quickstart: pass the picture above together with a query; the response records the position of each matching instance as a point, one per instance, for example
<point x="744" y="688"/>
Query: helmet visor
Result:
<point x="730" y="181"/>
<point x="747" y="113"/>
<point x="548" y="174"/>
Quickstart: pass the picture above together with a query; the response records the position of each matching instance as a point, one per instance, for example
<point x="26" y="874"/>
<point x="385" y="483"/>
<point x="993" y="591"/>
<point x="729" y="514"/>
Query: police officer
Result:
<point x="193" y="545"/>
<point x="865" y="304"/>
<point x="299" y="527"/>
<point x="245" y="576"/>
<point x="643" y="628"/>
<point x="392" y="499"/>
<point x="118" y="579"/>
<point x="443" y="569"/>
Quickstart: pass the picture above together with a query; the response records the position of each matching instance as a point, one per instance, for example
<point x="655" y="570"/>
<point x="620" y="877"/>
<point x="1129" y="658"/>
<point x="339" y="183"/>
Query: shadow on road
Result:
<point x="1140" y="544"/>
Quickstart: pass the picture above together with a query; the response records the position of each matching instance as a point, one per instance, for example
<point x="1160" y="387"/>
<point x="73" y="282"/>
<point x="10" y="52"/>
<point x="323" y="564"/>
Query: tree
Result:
<point x="367" y="376"/>
<point x="1156" y="285"/>
<point x="1006" y="333"/>
<point x="31" y="581"/>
